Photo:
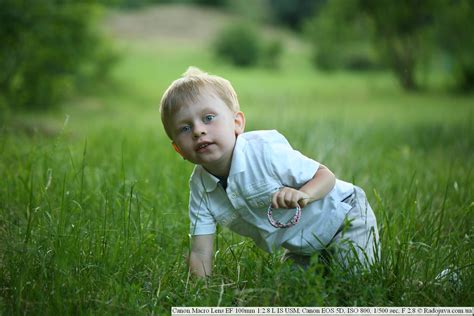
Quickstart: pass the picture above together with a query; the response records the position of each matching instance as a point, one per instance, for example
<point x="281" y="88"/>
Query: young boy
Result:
<point x="256" y="184"/>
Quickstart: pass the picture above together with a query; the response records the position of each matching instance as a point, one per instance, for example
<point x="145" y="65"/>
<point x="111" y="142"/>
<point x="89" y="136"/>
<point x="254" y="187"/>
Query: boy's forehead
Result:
<point x="205" y="95"/>
<point x="200" y="101"/>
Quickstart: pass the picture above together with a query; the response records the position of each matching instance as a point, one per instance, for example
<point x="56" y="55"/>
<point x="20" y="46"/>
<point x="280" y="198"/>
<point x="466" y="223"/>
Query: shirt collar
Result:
<point x="208" y="180"/>
<point x="237" y="166"/>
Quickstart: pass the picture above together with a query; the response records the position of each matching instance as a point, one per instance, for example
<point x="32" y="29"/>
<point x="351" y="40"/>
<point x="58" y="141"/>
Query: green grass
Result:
<point x="93" y="208"/>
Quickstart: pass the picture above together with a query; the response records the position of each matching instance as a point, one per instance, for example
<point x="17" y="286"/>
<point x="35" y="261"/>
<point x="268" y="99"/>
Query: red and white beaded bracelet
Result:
<point x="293" y="221"/>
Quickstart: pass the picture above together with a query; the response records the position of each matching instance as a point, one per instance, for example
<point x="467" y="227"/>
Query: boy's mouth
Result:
<point x="201" y="146"/>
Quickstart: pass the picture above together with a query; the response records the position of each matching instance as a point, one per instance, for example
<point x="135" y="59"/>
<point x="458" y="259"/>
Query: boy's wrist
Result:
<point x="307" y="196"/>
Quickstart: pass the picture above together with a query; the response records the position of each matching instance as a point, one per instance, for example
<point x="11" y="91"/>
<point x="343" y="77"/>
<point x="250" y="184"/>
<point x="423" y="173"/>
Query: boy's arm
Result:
<point x="200" y="258"/>
<point x="321" y="184"/>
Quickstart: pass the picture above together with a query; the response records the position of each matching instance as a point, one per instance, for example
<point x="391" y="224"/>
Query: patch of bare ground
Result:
<point x="167" y="22"/>
<point x="179" y="23"/>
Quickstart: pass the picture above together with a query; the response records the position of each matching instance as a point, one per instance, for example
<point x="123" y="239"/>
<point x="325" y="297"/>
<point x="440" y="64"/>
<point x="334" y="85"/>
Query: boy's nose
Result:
<point x="199" y="130"/>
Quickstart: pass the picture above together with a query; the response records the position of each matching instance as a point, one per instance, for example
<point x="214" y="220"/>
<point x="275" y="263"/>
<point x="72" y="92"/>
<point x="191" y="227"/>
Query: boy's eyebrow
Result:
<point x="207" y="109"/>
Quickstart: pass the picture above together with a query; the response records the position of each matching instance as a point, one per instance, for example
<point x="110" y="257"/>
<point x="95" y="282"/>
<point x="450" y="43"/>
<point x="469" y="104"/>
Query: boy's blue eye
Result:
<point x="209" y="117"/>
<point x="185" y="129"/>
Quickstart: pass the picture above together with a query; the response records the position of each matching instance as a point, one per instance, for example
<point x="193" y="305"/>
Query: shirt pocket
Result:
<point x="259" y="195"/>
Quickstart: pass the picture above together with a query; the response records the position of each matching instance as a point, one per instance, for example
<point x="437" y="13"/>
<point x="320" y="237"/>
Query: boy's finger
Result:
<point x="291" y="200"/>
<point x="275" y="200"/>
<point x="282" y="199"/>
<point x="278" y="200"/>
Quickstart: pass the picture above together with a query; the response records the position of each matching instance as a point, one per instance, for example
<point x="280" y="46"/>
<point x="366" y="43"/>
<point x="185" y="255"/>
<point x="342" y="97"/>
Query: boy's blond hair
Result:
<point x="189" y="87"/>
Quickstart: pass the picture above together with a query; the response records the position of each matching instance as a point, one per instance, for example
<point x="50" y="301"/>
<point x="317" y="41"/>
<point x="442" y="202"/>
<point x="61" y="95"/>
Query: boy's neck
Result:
<point x="219" y="175"/>
<point x="221" y="171"/>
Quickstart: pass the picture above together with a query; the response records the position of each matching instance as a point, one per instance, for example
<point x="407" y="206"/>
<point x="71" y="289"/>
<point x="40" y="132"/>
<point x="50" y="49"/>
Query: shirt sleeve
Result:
<point x="201" y="220"/>
<point x="291" y="167"/>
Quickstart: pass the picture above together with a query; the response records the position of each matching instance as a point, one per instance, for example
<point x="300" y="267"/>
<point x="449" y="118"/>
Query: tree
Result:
<point x="292" y="13"/>
<point x="402" y="34"/>
<point x="44" y="46"/>
<point x="455" y="38"/>
<point x="407" y="35"/>
<point x="341" y="37"/>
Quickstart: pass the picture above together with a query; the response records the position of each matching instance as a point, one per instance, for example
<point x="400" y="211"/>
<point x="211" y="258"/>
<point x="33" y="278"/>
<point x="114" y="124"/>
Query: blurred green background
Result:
<point x="93" y="200"/>
<point x="53" y="49"/>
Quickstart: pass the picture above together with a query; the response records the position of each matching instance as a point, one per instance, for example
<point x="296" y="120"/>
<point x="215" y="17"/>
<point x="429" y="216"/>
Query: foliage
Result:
<point x="406" y="35"/>
<point x="292" y="13"/>
<point x="135" y="4"/>
<point x="402" y="34"/>
<point x="341" y="38"/>
<point x="45" y="48"/>
<point x="215" y="3"/>
<point x="454" y="35"/>
<point x="239" y="44"/>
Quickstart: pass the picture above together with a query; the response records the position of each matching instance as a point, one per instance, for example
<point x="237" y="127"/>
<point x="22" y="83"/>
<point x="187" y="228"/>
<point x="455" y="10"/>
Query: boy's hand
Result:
<point x="289" y="198"/>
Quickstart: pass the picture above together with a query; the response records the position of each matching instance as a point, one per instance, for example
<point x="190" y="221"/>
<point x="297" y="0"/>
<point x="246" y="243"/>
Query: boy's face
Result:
<point x="205" y="132"/>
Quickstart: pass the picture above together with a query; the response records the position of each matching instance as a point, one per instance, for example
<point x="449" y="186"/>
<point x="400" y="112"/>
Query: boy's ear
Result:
<point x="176" y="148"/>
<point x="239" y="120"/>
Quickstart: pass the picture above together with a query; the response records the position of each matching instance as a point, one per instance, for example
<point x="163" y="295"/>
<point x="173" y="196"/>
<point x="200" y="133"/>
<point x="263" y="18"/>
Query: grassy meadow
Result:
<point x="93" y="200"/>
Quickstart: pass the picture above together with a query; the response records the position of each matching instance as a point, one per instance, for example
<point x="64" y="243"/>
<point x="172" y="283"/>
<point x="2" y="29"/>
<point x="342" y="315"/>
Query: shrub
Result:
<point x="271" y="52"/>
<point x="238" y="44"/>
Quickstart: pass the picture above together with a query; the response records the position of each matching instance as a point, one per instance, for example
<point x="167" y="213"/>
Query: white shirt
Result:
<point x="262" y="163"/>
